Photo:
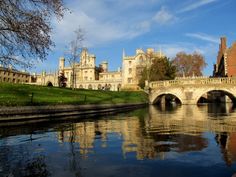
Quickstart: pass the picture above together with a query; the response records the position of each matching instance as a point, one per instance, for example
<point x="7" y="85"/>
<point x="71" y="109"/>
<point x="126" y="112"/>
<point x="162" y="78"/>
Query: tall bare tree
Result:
<point x="73" y="53"/>
<point x="25" y="29"/>
<point x="189" y="64"/>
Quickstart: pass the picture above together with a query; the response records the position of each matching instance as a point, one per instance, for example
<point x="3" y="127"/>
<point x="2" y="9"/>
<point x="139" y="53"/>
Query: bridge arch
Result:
<point x="226" y="91"/>
<point x="156" y="96"/>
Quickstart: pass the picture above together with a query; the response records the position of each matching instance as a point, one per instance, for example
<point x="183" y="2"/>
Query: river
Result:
<point x="181" y="141"/>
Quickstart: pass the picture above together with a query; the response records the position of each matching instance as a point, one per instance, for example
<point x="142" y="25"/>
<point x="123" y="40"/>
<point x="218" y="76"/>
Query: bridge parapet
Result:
<point x="193" y="81"/>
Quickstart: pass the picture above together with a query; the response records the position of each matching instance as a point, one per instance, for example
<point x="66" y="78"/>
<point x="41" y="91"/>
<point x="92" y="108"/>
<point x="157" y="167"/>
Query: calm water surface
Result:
<point x="186" y="141"/>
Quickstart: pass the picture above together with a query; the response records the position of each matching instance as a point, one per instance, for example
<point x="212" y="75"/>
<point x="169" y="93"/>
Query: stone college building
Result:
<point x="89" y="76"/>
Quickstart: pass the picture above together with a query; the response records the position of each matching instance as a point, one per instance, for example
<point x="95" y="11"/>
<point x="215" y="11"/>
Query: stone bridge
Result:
<point x="190" y="90"/>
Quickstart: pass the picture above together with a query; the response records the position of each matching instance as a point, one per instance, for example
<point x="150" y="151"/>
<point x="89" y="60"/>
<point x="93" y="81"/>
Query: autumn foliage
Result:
<point x="189" y="64"/>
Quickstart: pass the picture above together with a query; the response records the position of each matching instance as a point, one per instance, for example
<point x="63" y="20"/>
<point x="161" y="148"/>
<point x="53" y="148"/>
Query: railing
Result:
<point x="192" y="81"/>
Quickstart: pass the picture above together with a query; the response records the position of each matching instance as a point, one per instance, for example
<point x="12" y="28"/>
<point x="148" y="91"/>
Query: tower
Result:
<point x="61" y="63"/>
<point x="84" y="56"/>
<point x="123" y="55"/>
<point x="104" y="66"/>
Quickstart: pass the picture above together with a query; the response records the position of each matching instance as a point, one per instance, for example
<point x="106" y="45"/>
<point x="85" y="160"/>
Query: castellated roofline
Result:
<point x="128" y="57"/>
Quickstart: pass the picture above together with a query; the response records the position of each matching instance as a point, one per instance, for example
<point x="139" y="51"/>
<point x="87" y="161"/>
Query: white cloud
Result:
<point x="204" y="37"/>
<point x="171" y="49"/>
<point x="101" y="23"/>
<point x="208" y="50"/>
<point x="195" y="5"/>
<point x="164" y="17"/>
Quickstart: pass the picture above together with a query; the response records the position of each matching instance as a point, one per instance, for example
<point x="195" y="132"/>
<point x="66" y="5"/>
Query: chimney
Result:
<point x="223" y="44"/>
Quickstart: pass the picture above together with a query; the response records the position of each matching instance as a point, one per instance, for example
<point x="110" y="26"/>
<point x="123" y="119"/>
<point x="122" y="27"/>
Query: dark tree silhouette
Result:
<point x="161" y="68"/>
<point x="62" y="80"/>
<point x="25" y="30"/>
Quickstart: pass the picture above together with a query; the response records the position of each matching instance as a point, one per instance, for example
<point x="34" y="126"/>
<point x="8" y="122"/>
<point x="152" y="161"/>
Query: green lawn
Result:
<point x="21" y="94"/>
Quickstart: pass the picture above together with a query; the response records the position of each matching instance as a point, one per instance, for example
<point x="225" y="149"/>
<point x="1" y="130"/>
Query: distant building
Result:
<point x="88" y="76"/>
<point x="226" y="60"/>
<point x="134" y="65"/>
<point x="14" y="76"/>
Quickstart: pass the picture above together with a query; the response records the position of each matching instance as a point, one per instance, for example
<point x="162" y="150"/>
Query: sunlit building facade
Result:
<point x="226" y="60"/>
<point x="14" y="76"/>
<point x="86" y="75"/>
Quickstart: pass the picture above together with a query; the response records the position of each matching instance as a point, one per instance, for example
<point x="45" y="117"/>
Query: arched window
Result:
<point x="99" y="87"/>
<point x="140" y="59"/>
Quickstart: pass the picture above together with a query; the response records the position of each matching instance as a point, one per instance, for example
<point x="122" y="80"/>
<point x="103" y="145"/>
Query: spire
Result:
<point x="123" y="53"/>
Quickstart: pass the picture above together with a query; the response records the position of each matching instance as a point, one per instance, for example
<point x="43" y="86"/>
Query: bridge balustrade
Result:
<point x="192" y="81"/>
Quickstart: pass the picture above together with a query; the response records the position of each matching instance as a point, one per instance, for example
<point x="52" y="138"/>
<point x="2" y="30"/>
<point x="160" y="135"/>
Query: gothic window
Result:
<point x="130" y="70"/>
<point x="141" y="59"/>
<point x="129" y="80"/>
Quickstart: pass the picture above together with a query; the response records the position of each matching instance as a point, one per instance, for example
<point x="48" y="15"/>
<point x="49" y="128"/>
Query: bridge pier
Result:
<point x="163" y="100"/>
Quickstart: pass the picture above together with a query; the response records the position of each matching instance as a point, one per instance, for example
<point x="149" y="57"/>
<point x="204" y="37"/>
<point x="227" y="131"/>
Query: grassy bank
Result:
<point x="21" y="95"/>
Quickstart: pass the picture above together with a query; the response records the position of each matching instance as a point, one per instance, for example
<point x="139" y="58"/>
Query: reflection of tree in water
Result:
<point x="35" y="167"/>
<point x="74" y="164"/>
<point x="148" y="137"/>
<point x="25" y="167"/>
<point x="71" y="138"/>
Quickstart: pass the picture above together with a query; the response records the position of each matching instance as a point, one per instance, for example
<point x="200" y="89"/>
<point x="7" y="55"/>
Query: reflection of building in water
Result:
<point x="152" y="136"/>
<point x="190" y="119"/>
<point x="227" y="143"/>
<point x="83" y="133"/>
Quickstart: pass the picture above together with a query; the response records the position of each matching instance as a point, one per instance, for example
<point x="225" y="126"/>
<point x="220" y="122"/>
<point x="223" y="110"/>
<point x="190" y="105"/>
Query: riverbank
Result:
<point x="21" y="104"/>
<point x="32" y="95"/>
<point x="20" y="115"/>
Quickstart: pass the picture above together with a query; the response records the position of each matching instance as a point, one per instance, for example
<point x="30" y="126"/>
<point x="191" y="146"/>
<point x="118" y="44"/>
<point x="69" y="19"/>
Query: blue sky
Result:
<point x="170" y="25"/>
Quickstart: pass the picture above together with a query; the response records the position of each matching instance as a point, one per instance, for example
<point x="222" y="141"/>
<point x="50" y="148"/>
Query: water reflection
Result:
<point x="220" y="109"/>
<point x="177" y="135"/>
<point x="152" y="134"/>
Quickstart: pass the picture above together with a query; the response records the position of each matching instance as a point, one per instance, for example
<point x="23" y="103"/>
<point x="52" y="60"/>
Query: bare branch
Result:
<point x="74" y="49"/>
<point x="25" y="29"/>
